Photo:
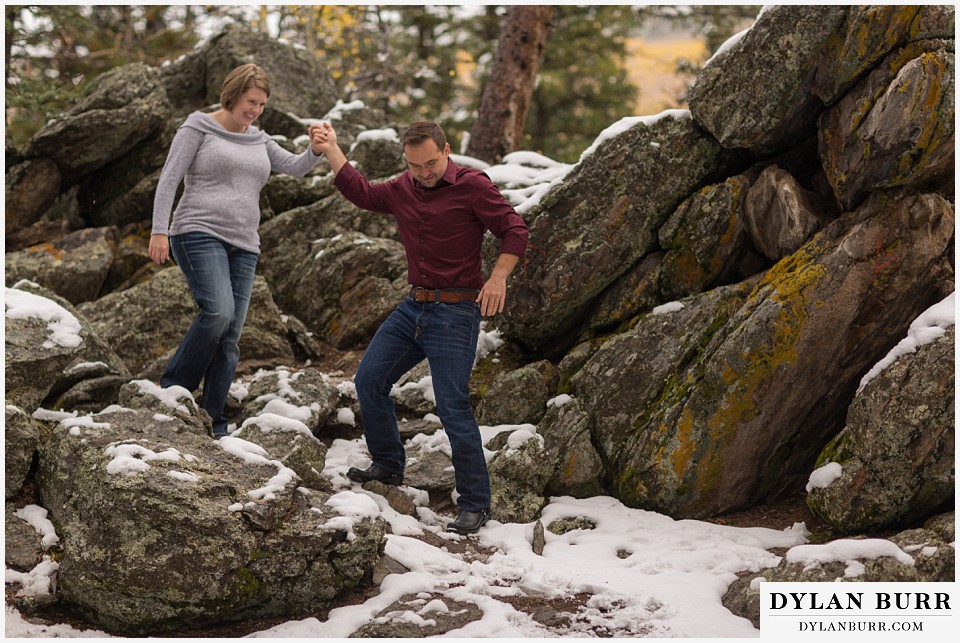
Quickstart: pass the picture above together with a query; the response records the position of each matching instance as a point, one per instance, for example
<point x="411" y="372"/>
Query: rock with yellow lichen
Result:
<point x="732" y="396"/>
<point x="869" y="34"/>
<point x="896" y="453"/>
<point x="757" y="91"/>
<point x="598" y="222"/>
<point x="896" y="127"/>
<point x="707" y="241"/>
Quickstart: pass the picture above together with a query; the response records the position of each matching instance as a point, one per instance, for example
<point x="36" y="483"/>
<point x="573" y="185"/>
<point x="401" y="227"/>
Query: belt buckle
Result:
<point x="417" y="290"/>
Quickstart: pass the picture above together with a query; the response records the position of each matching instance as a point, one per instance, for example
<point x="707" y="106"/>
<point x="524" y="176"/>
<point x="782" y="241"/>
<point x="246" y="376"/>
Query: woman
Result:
<point x="224" y="162"/>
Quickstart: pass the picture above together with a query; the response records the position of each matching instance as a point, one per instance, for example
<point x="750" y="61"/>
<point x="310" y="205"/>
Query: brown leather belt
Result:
<point x="443" y="295"/>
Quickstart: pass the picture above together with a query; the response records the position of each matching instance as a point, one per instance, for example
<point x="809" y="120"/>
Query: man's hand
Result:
<point x="159" y="248"/>
<point x="493" y="295"/>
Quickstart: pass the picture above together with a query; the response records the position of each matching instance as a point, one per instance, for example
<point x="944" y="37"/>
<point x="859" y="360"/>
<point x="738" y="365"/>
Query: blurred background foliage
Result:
<point x="411" y="62"/>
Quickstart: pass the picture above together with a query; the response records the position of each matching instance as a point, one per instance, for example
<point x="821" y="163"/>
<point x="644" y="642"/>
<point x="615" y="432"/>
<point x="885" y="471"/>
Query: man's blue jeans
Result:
<point x="446" y="335"/>
<point x="220" y="277"/>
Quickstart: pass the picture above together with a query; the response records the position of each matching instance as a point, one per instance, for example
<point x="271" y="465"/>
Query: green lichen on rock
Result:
<point x="566" y="525"/>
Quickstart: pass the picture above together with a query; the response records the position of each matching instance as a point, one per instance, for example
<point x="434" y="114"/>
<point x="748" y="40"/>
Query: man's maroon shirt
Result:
<point x="441" y="227"/>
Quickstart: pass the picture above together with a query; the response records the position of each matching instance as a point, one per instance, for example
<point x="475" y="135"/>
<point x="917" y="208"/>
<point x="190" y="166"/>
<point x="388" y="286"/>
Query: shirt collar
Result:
<point x="449" y="177"/>
<point x="450" y="174"/>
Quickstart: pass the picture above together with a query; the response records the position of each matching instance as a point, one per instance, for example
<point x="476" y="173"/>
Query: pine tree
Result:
<point x="583" y="85"/>
<point x="507" y="93"/>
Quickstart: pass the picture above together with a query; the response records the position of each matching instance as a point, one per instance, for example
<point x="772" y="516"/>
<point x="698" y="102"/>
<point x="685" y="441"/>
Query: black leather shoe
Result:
<point x="469" y="522"/>
<point x="375" y="472"/>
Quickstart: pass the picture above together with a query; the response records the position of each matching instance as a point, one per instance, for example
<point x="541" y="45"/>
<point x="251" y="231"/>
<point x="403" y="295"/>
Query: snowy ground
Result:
<point x="647" y="574"/>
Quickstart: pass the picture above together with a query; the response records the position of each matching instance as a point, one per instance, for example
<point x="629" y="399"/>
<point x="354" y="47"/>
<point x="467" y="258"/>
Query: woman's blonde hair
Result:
<point x="241" y="80"/>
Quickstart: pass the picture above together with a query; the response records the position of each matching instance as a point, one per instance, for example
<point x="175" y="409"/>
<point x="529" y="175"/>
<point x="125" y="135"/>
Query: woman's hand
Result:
<point x="159" y="248"/>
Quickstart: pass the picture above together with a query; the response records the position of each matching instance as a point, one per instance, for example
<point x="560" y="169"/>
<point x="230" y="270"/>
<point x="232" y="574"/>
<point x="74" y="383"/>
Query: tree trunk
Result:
<point x="506" y="95"/>
<point x="310" y="28"/>
<point x="12" y="14"/>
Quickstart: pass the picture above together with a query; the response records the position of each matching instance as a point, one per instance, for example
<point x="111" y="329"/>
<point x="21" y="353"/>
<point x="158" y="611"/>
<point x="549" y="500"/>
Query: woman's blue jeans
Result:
<point x="446" y="335"/>
<point x="220" y="277"/>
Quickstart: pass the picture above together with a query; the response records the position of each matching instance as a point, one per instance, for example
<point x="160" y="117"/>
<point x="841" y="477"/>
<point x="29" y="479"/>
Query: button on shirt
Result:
<point x="441" y="227"/>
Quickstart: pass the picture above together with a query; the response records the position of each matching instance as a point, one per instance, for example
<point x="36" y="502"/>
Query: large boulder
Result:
<point x="797" y="59"/>
<point x="518" y="476"/>
<point x="40" y="339"/>
<point x="896" y="127"/>
<point x="595" y="224"/>
<point x="21" y="437"/>
<point x="164" y="529"/>
<point x="566" y="431"/>
<point x="123" y="108"/>
<point x="780" y="214"/>
<point x="706" y="240"/>
<point x="74" y="267"/>
<point x="627" y="385"/>
<point x="300" y="84"/>
<point x="896" y="455"/>
<point x="757" y="91"/>
<point x="307" y="396"/>
<point x="30" y="190"/>
<point x="732" y="396"/>
<point x="355" y="281"/>
<point x="94" y="376"/>
<point x="869" y="34"/>
<point x="164" y="309"/>
<point x="519" y="396"/>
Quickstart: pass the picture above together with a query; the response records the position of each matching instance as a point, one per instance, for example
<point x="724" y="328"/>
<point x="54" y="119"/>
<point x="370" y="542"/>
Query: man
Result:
<point x="442" y="211"/>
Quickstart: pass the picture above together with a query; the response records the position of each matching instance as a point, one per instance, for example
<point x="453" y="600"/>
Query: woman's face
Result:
<point x="249" y="106"/>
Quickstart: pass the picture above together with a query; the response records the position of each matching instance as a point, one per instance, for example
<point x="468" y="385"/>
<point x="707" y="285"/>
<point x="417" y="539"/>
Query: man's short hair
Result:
<point x="241" y="80"/>
<point x="421" y="131"/>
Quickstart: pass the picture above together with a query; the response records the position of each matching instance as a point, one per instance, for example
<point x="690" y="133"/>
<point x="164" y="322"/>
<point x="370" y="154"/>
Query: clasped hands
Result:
<point x="322" y="137"/>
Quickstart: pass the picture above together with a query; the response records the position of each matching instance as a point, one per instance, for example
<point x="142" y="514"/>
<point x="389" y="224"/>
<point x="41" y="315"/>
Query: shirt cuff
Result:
<point x="346" y="173"/>
<point x="513" y="247"/>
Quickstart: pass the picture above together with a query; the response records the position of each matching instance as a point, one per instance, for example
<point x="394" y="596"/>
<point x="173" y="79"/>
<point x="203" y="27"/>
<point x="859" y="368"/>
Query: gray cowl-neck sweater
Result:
<point x="222" y="173"/>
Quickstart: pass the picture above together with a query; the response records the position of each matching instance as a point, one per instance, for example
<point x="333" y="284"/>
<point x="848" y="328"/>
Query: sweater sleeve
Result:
<point x="183" y="150"/>
<point x="286" y="162"/>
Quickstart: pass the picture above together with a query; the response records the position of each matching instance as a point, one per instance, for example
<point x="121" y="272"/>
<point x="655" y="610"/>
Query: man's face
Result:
<point x="427" y="163"/>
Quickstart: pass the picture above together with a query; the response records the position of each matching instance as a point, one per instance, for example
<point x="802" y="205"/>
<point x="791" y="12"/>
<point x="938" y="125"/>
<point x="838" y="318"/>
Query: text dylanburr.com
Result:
<point x="858" y="611"/>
